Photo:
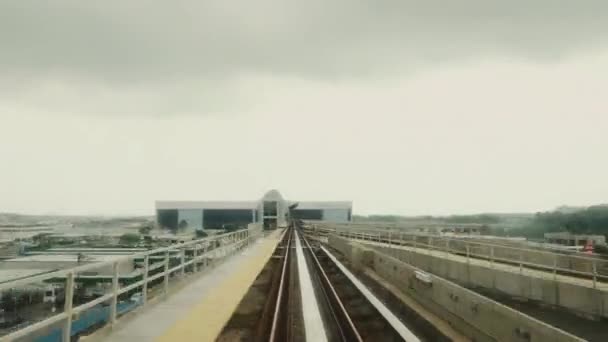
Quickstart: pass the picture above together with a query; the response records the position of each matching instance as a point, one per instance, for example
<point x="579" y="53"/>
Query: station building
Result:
<point x="272" y="210"/>
<point x="569" y="239"/>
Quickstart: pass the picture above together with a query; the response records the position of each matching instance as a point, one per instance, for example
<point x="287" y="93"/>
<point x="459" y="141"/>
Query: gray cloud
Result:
<point x="132" y="41"/>
<point x="403" y="106"/>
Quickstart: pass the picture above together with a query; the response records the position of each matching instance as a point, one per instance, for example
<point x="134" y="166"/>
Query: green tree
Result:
<point x="592" y="220"/>
<point x="145" y="230"/>
<point x="200" y="234"/>
<point x="129" y="239"/>
<point x="230" y="227"/>
<point x="183" y="224"/>
<point x="42" y="240"/>
<point x="9" y="301"/>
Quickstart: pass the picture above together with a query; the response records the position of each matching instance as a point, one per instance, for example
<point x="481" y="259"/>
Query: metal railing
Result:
<point x="225" y="245"/>
<point x="590" y="267"/>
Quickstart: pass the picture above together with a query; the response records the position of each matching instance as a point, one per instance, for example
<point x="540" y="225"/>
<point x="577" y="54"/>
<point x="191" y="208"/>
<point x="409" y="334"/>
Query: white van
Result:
<point x="52" y="293"/>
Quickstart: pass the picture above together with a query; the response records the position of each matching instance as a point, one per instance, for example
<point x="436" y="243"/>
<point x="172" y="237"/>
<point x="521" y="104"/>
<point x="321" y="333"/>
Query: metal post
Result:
<point x="491" y="256"/>
<point x="521" y="262"/>
<point x="555" y="267"/>
<point x="183" y="262"/>
<point x="410" y="253"/>
<point x="468" y="247"/>
<point x="430" y="244"/>
<point x="114" y="302"/>
<point x="194" y="258"/>
<point x="447" y="247"/>
<point x="144" y="292"/>
<point x="67" y="307"/>
<point x="229" y="247"/>
<point x="166" y="285"/>
<point x="594" y="274"/>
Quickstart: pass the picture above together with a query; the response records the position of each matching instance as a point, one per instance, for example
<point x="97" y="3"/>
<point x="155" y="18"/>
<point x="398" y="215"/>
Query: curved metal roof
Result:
<point x="273" y="195"/>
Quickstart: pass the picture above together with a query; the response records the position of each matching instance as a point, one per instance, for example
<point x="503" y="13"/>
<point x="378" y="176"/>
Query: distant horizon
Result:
<point x="355" y="213"/>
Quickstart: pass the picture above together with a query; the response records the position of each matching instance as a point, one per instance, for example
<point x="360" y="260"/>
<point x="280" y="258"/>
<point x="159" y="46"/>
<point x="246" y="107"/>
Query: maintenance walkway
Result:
<point x="603" y="286"/>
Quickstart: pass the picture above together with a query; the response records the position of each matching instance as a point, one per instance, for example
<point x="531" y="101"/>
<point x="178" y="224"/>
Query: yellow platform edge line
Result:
<point x="207" y="319"/>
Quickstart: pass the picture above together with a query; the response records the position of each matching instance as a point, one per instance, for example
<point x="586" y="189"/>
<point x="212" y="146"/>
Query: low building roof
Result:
<point x="206" y="205"/>
<point x="566" y="235"/>
<point x="94" y="250"/>
<point x="13" y="274"/>
<point x="310" y="205"/>
<point x="88" y="251"/>
<point x="50" y="258"/>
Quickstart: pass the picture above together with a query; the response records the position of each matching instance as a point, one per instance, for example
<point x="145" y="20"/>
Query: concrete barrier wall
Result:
<point x="582" y="300"/>
<point x="476" y="316"/>
<point x="341" y="244"/>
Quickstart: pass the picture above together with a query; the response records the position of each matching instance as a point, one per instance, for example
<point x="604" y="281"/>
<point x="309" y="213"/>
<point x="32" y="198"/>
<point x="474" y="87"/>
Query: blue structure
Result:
<point x="96" y="316"/>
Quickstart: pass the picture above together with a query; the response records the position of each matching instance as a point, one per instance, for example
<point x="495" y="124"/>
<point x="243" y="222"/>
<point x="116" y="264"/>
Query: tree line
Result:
<point x="592" y="220"/>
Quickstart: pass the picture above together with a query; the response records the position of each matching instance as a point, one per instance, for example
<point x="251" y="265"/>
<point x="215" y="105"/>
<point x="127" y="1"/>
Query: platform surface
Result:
<point x="199" y="311"/>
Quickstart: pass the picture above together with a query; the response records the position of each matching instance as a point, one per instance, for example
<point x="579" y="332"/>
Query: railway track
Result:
<point x="304" y="294"/>
<point x="256" y="317"/>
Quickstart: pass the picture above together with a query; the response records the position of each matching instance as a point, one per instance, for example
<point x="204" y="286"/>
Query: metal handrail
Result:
<point x="443" y="238"/>
<point x="377" y="235"/>
<point x="84" y="268"/>
<point x="236" y="239"/>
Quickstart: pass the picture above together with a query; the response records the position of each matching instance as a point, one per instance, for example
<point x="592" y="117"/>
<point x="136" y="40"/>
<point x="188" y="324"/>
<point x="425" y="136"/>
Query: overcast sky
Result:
<point x="405" y="107"/>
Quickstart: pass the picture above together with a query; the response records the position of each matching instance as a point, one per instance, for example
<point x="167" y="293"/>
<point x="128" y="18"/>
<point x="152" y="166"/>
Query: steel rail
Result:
<point x="347" y="328"/>
<point x="282" y="284"/>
